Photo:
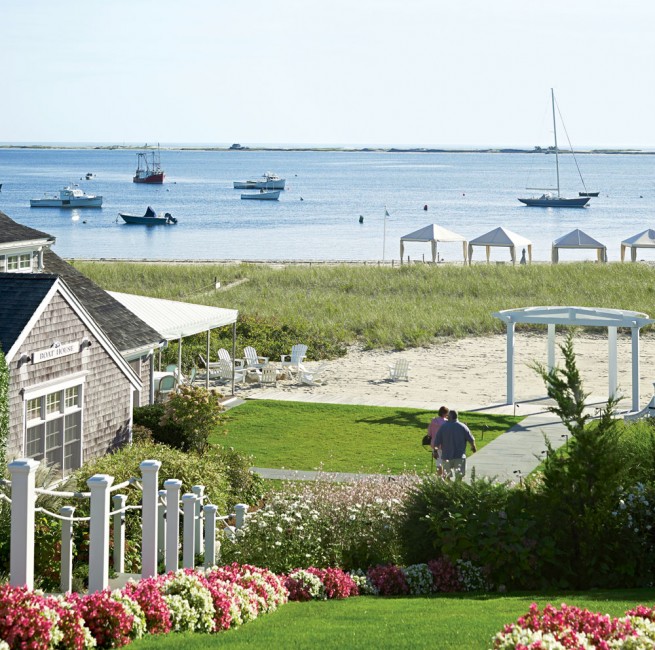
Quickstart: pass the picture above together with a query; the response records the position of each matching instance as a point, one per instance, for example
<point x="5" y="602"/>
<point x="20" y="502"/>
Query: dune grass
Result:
<point x="397" y="307"/>
<point x="447" y="622"/>
<point x="342" y="438"/>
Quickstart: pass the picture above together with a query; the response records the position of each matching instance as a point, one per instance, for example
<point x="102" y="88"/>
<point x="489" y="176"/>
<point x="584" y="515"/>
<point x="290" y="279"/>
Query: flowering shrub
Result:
<point x="571" y="627"/>
<point x="419" y="579"/>
<point x="389" y="580"/>
<point x="445" y="575"/>
<point x="363" y="582"/>
<point x="336" y="583"/>
<point x="303" y="585"/>
<point x="322" y="524"/>
<point x="189" y="601"/>
<point x="155" y="610"/>
<point x="471" y="577"/>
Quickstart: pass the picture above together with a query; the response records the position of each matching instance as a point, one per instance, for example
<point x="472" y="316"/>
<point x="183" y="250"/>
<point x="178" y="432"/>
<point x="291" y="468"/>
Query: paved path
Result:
<point x="507" y="458"/>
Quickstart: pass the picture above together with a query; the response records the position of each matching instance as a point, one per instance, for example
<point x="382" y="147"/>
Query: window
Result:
<point x="54" y="428"/>
<point x="22" y="262"/>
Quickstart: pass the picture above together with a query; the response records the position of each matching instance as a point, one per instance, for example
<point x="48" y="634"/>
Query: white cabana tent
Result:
<point x="578" y="239"/>
<point x="501" y="237"/>
<point x="175" y="320"/>
<point x="645" y="239"/>
<point x="612" y="319"/>
<point x="432" y="234"/>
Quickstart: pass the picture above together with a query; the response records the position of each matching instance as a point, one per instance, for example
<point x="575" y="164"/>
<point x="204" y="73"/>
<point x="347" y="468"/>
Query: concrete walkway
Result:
<point x="509" y="457"/>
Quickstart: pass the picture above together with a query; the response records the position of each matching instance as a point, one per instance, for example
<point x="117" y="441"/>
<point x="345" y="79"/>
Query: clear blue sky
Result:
<point x="423" y="72"/>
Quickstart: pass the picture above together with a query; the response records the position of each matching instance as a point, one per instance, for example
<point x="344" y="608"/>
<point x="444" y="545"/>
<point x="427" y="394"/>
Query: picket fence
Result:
<point x="160" y="523"/>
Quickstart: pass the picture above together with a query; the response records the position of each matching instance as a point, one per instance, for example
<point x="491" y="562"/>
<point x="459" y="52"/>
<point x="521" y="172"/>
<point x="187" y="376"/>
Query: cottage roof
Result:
<point x="126" y="330"/>
<point x="20" y="296"/>
<point x="11" y="232"/>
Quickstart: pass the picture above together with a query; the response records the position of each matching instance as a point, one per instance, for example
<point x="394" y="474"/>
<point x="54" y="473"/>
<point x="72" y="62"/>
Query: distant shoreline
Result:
<point x="239" y="149"/>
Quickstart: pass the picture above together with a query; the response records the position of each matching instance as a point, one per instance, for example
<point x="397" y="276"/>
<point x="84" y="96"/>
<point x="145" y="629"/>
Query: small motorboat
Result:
<point x="588" y="193"/>
<point x="263" y="195"/>
<point x="150" y="218"/>
<point x="268" y="181"/>
<point x="89" y="176"/>
<point x="70" y="197"/>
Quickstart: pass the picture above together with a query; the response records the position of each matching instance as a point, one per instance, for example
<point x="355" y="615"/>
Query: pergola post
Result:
<point x="510" y="362"/>
<point x="612" y="365"/>
<point x="551" y="346"/>
<point x="208" y="359"/>
<point x="234" y="351"/>
<point x="635" y="368"/>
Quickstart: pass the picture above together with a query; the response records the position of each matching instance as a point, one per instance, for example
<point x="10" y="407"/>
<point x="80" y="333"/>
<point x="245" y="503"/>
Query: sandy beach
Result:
<point x="467" y="374"/>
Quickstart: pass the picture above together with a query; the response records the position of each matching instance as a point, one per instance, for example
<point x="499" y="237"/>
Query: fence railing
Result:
<point x="160" y="524"/>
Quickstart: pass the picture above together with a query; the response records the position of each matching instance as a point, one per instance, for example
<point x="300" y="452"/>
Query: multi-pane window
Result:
<point x="54" y="428"/>
<point x="22" y="262"/>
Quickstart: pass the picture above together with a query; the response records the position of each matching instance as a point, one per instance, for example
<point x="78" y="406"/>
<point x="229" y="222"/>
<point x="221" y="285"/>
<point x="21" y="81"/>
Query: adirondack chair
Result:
<point x="224" y="355"/>
<point x="268" y="376"/>
<point x="224" y="372"/>
<point x="253" y="360"/>
<point x="293" y="361"/>
<point x="312" y="377"/>
<point x="399" y="370"/>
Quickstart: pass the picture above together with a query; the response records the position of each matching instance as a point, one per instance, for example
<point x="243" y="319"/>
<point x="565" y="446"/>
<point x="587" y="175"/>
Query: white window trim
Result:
<point x="18" y="253"/>
<point x="52" y="386"/>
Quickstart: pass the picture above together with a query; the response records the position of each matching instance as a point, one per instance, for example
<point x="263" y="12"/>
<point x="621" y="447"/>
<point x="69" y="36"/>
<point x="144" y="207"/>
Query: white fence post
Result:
<point x="240" y="512"/>
<point x="210" y="534"/>
<point x="150" y="488"/>
<point x="199" y="491"/>
<point x="119" y="501"/>
<point x="173" y="487"/>
<point x="99" y="485"/>
<point x="21" y="559"/>
<point x="188" y="543"/>
<point x="66" y="577"/>
<point x="161" y="526"/>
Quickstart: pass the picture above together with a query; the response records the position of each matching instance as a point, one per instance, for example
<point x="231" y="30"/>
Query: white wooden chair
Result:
<point x="253" y="360"/>
<point x="269" y="376"/>
<point x="311" y="377"/>
<point x="293" y="361"/>
<point x="224" y="372"/>
<point x="399" y="370"/>
<point x="224" y="355"/>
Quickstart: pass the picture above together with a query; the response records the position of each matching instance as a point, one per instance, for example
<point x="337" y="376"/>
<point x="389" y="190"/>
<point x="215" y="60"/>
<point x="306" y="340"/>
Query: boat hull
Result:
<point x="152" y="179"/>
<point x="147" y="221"/>
<point x="262" y="196"/>
<point x="588" y="193"/>
<point x="260" y="185"/>
<point x="556" y="203"/>
<point x="94" y="202"/>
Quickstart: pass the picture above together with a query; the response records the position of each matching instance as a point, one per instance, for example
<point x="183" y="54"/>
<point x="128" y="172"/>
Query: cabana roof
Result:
<point x="644" y="239"/>
<point x="585" y="316"/>
<point x="173" y="319"/>
<point x="577" y="239"/>
<point x="500" y="237"/>
<point x="433" y="232"/>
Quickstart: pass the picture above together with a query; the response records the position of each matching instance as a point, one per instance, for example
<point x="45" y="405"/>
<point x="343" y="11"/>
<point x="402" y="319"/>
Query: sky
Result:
<point x="449" y="73"/>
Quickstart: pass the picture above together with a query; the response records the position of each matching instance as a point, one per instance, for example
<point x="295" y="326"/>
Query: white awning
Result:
<point x="173" y="319"/>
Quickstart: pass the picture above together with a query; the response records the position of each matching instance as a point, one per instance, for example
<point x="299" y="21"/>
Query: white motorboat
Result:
<point x="263" y="195"/>
<point x="268" y="181"/>
<point x="70" y="197"/>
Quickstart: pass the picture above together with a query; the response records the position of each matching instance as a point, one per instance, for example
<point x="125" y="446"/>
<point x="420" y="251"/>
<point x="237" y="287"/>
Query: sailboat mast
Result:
<point x="552" y="98"/>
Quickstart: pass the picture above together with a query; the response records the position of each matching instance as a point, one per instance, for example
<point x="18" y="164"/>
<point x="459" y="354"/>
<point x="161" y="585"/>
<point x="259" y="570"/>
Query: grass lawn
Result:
<point x="444" y="622"/>
<point x="342" y="438"/>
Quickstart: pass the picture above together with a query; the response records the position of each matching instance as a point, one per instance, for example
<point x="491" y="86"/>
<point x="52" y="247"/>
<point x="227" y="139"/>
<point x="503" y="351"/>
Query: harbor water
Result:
<point x="334" y="204"/>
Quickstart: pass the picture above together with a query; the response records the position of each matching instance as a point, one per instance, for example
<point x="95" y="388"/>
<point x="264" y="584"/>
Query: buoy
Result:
<point x="301" y="198"/>
<point x="425" y="207"/>
<point x="361" y="218"/>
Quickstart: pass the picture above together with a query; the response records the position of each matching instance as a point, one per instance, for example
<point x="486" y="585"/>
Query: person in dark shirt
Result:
<point x="451" y="438"/>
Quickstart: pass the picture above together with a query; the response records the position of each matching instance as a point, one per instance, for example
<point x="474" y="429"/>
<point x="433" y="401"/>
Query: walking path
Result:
<point x="507" y="458"/>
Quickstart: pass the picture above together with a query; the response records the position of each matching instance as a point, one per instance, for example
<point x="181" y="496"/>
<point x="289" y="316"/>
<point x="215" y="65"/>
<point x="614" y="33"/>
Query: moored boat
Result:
<point x="150" y="218"/>
<point x="268" y="181"/>
<point x="148" y="168"/>
<point x="588" y="193"/>
<point x="70" y="197"/>
<point x="263" y="195"/>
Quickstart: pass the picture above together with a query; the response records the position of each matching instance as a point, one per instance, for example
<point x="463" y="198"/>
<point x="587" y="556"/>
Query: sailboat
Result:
<point x="549" y="200"/>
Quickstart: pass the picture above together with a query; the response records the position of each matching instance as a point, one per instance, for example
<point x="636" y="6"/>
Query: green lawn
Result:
<point x="338" y="438"/>
<point x="445" y="622"/>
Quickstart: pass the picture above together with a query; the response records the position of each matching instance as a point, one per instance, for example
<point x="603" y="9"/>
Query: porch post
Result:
<point x="21" y="549"/>
<point x="510" y="362"/>
<point x="551" y="346"/>
<point x="612" y="364"/>
<point x="234" y="351"/>
<point x="149" y="497"/>
<point x="635" y="368"/>
<point x="208" y="359"/>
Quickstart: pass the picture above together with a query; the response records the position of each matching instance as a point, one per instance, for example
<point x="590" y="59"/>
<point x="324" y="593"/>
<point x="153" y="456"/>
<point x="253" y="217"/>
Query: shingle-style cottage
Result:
<point x="78" y="359"/>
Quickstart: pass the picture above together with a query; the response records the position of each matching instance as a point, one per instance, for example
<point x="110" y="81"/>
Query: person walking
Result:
<point x="433" y="427"/>
<point x="451" y="438"/>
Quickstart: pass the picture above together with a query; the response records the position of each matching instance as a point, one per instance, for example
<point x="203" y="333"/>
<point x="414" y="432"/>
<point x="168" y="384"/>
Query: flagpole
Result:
<point x="384" y="234"/>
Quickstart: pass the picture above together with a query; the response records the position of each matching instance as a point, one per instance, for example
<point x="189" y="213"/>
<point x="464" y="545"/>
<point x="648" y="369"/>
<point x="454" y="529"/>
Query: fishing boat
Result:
<point x="548" y="199"/>
<point x="148" y="168"/>
<point x="268" y="181"/>
<point x="150" y="218"/>
<point x="262" y="195"/>
<point x="70" y="197"/>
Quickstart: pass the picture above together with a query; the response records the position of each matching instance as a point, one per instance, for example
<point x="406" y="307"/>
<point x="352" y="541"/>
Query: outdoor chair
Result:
<point x="269" y="376"/>
<point x="224" y="355"/>
<point x="399" y="370"/>
<point x="253" y="360"/>
<point x="167" y="385"/>
<point x="171" y="367"/>
<point x="223" y="372"/>
<point x="312" y="377"/>
<point x="294" y="360"/>
<point x="190" y="378"/>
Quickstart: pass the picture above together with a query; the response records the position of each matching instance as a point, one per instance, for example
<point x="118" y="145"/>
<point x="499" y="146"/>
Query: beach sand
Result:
<point x="468" y="374"/>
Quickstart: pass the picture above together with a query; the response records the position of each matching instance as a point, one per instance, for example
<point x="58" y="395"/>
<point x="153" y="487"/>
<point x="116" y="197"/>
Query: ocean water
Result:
<point x="317" y="217"/>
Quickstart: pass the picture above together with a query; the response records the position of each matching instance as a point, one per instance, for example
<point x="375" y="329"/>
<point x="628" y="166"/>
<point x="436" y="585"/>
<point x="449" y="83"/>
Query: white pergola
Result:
<point x="432" y="234"/>
<point x="612" y="319"/>
<point x="644" y="239"/>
